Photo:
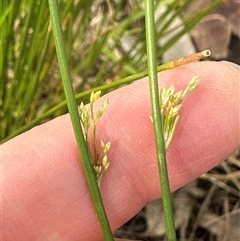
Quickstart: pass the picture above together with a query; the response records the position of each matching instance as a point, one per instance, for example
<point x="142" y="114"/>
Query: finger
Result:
<point x="45" y="196"/>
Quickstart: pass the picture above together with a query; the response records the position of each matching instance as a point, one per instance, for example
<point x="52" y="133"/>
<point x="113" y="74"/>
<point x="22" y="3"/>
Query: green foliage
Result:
<point x="104" y="39"/>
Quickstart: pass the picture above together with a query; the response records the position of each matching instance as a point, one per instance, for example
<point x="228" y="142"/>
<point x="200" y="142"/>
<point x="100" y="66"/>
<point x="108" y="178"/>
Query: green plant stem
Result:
<point x="72" y="106"/>
<point x="26" y="69"/>
<point x="158" y="120"/>
<point x="112" y="85"/>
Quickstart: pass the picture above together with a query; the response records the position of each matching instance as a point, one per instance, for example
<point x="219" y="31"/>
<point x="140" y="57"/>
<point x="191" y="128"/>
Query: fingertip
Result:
<point x="207" y="132"/>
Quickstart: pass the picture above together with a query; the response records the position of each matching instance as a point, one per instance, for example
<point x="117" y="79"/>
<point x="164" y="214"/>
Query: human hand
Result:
<point x="45" y="196"/>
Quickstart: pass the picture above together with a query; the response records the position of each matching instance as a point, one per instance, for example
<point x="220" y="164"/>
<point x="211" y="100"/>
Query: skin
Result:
<point x="44" y="193"/>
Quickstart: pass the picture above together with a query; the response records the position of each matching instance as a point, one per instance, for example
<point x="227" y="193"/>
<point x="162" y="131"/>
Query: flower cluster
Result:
<point x="170" y="104"/>
<point x="89" y="122"/>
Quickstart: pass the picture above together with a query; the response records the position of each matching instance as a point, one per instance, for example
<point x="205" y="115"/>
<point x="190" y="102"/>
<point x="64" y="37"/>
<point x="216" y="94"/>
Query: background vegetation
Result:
<point x="105" y="41"/>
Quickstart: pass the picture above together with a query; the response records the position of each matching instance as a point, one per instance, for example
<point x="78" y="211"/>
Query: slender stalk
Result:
<point x="25" y="69"/>
<point x="112" y="85"/>
<point x="158" y="120"/>
<point x="72" y="106"/>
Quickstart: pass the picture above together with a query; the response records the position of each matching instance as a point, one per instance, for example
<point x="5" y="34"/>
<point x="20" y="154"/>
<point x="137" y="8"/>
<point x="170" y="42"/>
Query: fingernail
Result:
<point x="233" y="65"/>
